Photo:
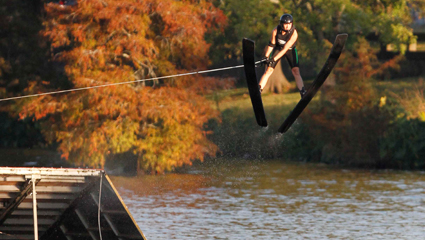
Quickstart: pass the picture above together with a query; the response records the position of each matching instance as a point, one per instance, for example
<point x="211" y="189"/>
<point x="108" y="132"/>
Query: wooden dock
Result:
<point x="71" y="204"/>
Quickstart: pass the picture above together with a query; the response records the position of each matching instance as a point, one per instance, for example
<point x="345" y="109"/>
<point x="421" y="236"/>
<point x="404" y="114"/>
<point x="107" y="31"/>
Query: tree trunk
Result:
<point x="277" y="83"/>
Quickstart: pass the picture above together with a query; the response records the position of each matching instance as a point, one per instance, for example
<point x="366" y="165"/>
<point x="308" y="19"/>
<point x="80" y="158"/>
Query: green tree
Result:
<point x="319" y="21"/>
<point x="253" y="19"/>
<point x="403" y="144"/>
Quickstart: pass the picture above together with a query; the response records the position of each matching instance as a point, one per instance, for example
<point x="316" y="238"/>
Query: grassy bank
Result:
<point x="239" y="136"/>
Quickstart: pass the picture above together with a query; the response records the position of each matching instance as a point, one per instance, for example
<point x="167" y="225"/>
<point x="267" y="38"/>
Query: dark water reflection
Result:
<point x="274" y="200"/>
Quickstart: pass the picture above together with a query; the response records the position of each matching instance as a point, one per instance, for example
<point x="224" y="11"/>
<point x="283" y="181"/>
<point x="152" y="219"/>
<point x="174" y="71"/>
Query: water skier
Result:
<point x="282" y="43"/>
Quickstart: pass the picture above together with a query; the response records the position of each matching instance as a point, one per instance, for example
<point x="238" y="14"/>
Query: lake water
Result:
<point x="275" y="200"/>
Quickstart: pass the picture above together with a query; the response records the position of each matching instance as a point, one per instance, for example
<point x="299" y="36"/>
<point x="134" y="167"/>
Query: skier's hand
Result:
<point x="270" y="62"/>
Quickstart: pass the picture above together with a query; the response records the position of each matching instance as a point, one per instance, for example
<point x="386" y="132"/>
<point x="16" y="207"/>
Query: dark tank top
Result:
<point x="281" y="39"/>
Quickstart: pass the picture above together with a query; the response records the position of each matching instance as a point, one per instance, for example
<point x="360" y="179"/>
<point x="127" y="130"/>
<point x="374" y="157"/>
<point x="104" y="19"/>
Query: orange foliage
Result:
<point x="355" y="74"/>
<point x="348" y="120"/>
<point x="114" y="41"/>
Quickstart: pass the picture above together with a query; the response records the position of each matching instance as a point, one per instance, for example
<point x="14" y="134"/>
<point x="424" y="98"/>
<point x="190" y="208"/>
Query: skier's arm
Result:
<point x="288" y="45"/>
<point x="272" y="43"/>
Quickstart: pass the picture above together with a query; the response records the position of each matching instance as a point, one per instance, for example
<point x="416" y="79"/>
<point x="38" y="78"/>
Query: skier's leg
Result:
<point x="265" y="77"/>
<point x="298" y="79"/>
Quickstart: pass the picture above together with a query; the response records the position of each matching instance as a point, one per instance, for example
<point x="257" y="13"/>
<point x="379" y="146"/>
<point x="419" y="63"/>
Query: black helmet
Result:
<point x="286" y="18"/>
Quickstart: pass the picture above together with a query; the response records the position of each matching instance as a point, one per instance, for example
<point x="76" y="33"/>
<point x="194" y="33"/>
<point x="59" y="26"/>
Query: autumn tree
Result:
<point x="114" y="41"/>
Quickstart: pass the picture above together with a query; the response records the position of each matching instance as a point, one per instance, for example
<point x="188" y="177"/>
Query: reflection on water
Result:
<point x="274" y="200"/>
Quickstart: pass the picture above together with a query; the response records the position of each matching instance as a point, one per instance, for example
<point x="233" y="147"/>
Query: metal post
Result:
<point x="34" y="208"/>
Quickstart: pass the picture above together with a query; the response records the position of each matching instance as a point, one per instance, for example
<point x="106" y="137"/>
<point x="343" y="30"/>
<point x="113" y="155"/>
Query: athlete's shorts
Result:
<point x="291" y="56"/>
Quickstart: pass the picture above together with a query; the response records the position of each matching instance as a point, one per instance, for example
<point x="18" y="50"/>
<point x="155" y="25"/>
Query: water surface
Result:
<point x="232" y="199"/>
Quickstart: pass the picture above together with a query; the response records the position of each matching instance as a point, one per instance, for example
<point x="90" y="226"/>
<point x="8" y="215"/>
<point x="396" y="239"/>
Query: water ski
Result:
<point x="251" y="80"/>
<point x="317" y="83"/>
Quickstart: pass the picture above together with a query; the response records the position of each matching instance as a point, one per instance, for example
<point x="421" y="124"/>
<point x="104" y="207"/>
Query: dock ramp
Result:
<point x="71" y="204"/>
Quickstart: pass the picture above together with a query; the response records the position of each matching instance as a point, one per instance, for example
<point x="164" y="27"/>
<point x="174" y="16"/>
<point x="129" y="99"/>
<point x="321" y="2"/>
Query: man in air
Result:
<point x="282" y="43"/>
